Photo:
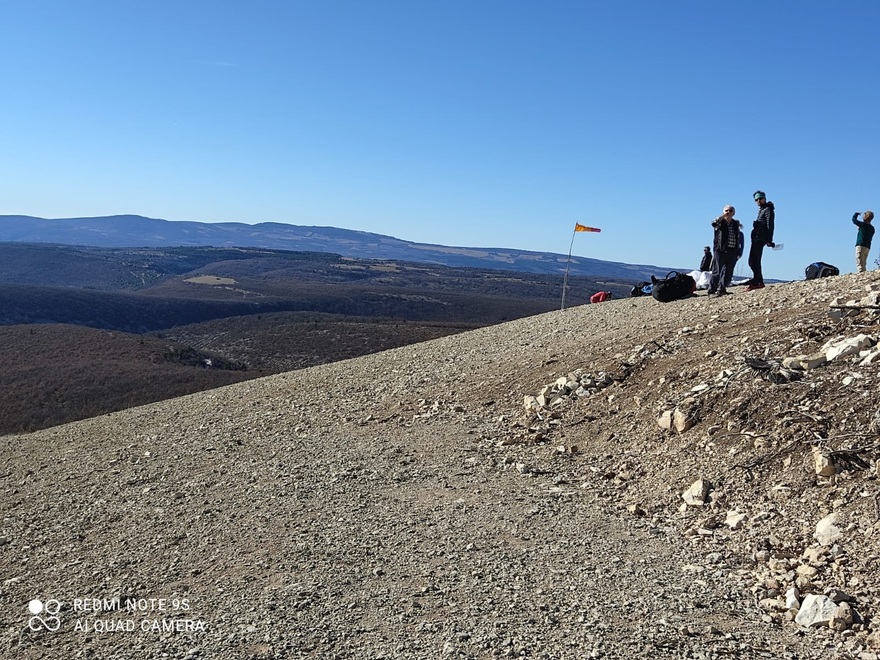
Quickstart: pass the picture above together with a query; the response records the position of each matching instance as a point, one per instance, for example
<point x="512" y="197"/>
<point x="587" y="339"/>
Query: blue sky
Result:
<point x="461" y="122"/>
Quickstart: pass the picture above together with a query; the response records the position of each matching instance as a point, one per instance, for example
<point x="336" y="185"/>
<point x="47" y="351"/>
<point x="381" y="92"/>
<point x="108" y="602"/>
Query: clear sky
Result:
<point x="494" y="123"/>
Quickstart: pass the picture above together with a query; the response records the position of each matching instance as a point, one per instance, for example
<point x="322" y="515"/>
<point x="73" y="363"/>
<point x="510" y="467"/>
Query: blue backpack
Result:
<point x="820" y="269"/>
<point x="641" y="289"/>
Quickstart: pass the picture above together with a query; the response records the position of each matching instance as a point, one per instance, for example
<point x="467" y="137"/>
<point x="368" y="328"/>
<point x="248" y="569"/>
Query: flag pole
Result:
<point x="567" y="264"/>
<point x="577" y="227"/>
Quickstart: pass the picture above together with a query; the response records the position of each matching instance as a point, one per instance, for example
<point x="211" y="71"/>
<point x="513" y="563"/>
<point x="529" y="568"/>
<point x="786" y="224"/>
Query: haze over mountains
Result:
<point x="138" y="231"/>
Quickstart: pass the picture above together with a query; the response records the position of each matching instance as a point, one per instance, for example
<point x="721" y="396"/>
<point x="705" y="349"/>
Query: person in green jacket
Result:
<point x="863" y="240"/>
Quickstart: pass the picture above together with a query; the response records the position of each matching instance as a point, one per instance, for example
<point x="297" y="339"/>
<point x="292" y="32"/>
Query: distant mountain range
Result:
<point x="138" y="231"/>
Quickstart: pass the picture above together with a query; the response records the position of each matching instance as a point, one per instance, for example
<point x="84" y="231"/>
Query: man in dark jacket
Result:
<point x="762" y="236"/>
<point x="740" y="245"/>
<point x="727" y="230"/>
<point x="706" y="262"/>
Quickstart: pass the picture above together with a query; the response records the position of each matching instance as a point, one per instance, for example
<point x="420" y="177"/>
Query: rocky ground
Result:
<point x="631" y="479"/>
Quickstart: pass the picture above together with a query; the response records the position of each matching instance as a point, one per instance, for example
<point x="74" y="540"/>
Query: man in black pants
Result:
<point x="762" y="236"/>
<point x="726" y="242"/>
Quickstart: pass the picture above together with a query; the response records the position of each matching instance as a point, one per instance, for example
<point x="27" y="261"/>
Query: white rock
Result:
<point x="735" y="519"/>
<point x="816" y="611"/>
<point x="870" y="358"/>
<point x="665" y="420"/>
<point x="826" y="531"/>
<point x="791" y="599"/>
<point x="848" y="346"/>
<point x="696" y="494"/>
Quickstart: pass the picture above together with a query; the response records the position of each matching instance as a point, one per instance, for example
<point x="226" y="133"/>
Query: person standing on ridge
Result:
<point x="762" y="236"/>
<point x="740" y="243"/>
<point x="863" y="240"/>
<point x="740" y="246"/>
<point x="706" y="263"/>
<point x="726" y="250"/>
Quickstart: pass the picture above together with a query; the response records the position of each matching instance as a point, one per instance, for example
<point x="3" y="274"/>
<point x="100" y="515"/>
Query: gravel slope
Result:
<point x="403" y="504"/>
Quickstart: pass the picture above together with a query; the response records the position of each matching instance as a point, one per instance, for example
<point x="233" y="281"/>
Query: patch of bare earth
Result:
<point x="406" y="505"/>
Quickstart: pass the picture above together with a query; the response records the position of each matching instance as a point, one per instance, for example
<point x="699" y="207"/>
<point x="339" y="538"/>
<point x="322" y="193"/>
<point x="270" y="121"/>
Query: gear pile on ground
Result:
<point x="690" y="480"/>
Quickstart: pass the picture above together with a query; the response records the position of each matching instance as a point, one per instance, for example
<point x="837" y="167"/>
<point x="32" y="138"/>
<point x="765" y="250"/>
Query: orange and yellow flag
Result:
<point x="580" y="227"/>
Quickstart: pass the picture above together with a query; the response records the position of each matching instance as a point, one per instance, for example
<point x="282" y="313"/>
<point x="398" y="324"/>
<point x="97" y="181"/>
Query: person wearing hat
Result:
<point x="706" y="263"/>
<point x="726" y="251"/>
<point x="602" y="296"/>
<point x="863" y="240"/>
<point x="762" y="236"/>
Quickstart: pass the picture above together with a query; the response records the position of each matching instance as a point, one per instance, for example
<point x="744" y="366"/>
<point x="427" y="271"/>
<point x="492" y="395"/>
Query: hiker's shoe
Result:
<point x="753" y="287"/>
<point x="723" y="293"/>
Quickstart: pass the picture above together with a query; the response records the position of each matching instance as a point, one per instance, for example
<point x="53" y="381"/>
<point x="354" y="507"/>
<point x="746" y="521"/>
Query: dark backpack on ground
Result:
<point x="641" y="289"/>
<point x="673" y="287"/>
<point x="820" y="269"/>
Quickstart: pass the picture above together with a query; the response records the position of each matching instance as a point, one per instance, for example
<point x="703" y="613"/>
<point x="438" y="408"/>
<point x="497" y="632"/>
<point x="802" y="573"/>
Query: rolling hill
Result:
<point x="138" y="231"/>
